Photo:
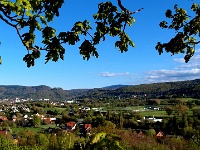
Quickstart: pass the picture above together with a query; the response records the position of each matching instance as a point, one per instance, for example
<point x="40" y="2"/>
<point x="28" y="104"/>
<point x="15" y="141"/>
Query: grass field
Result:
<point x="158" y="113"/>
<point x="196" y="107"/>
<point x="189" y="99"/>
<point x="33" y="129"/>
<point x="155" y="113"/>
<point x="53" y="109"/>
<point x="126" y="108"/>
<point x="145" y="112"/>
<point x="20" y="129"/>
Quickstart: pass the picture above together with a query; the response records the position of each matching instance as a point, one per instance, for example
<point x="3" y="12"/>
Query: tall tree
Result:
<point x="181" y="109"/>
<point x="108" y="115"/>
<point x="185" y="121"/>
<point x="36" y="120"/>
<point x="169" y="110"/>
<point x="121" y="120"/>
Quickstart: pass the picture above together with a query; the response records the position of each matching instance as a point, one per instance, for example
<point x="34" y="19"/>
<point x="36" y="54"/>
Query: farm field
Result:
<point x="59" y="109"/>
<point x="33" y="129"/>
<point x="140" y="108"/>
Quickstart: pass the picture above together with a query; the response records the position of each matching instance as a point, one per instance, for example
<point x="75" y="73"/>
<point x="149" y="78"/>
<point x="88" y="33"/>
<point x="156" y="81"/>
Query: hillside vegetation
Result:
<point x="189" y="88"/>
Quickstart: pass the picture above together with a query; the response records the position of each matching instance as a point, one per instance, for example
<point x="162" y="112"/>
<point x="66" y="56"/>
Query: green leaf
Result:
<point x="168" y="13"/>
<point x="0" y="60"/>
<point x="97" y="137"/>
<point x="87" y="49"/>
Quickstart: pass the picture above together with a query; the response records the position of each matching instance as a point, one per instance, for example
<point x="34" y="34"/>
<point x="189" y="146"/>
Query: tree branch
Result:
<point x="22" y="18"/>
<point x="89" y="34"/>
<point x="126" y="10"/>
<point x="6" y="21"/>
<point x="5" y="14"/>
<point x="122" y="7"/>
<point x="194" y="42"/>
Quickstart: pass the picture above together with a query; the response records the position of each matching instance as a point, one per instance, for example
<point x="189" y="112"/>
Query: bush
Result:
<point x="151" y="132"/>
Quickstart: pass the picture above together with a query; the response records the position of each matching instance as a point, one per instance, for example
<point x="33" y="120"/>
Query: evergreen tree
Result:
<point x="121" y="120"/>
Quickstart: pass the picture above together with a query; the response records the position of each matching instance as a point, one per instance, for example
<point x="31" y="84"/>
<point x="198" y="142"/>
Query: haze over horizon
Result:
<point x="140" y="65"/>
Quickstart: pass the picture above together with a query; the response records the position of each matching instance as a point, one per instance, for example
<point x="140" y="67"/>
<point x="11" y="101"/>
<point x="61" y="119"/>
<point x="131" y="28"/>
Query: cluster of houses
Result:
<point x="16" y="100"/>
<point x="21" y="100"/>
<point x="84" y="128"/>
<point x="71" y="126"/>
<point x="26" y="120"/>
<point x="14" y="108"/>
<point x="140" y="134"/>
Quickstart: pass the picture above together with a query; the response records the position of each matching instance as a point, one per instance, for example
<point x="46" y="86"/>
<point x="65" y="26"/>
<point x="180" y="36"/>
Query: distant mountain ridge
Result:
<point x="115" y="86"/>
<point x="190" y="88"/>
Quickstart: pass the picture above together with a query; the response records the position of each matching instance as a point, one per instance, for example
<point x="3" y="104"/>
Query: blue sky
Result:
<point x="139" y="65"/>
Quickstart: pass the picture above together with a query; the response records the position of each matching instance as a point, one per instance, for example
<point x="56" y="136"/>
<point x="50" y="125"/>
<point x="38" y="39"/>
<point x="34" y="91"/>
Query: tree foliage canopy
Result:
<point x="104" y="140"/>
<point x="187" y="31"/>
<point x="31" y="16"/>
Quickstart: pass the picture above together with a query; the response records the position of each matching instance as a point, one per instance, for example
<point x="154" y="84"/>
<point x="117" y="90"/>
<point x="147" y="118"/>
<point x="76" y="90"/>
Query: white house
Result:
<point x="153" y="119"/>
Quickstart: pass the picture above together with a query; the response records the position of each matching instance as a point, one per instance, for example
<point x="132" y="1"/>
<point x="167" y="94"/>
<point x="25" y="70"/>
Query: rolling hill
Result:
<point x="189" y="88"/>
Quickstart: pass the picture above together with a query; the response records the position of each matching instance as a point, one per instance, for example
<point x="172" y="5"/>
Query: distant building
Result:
<point x="85" y="129"/>
<point x="71" y="113"/>
<point x="153" y="119"/>
<point x="84" y="108"/>
<point x="70" y="126"/>
<point x="70" y="102"/>
<point x="3" y="133"/>
<point x="46" y="99"/>
<point x="14" y="118"/>
<point x="3" y="118"/>
<point x="160" y="135"/>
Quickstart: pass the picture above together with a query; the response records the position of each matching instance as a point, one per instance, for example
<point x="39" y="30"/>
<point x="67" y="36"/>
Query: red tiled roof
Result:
<point x="86" y="126"/>
<point x="4" y="118"/>
<point x="160" y="135"/>
<point x="3" y="132"/>
<point x="71" y="124"/>
<point x="48" y="119"/>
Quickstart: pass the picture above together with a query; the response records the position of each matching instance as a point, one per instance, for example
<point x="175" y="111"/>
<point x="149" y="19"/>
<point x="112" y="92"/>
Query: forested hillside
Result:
<point x="190" y="88"/>
<point x="34" y="92"/>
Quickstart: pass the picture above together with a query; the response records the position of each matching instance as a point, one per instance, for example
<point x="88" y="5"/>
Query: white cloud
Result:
<point x="157" y="74"/>
<point x="108" y="74"/>
<point x="183" y="71"/>
<point x="180" y="60"/>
